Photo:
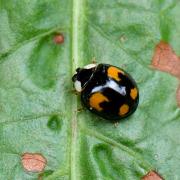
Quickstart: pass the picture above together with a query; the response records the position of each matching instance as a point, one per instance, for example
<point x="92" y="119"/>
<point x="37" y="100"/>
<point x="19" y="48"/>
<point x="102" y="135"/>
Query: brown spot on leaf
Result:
<point x="178" y="96"/>
<point x="152" y="175"/>
<point x="58" y="38"/>
<point x="33" y="162"/>
<point x="165" y="59"/>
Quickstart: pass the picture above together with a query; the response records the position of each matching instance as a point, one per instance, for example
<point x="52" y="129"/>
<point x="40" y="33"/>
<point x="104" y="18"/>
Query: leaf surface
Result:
<point x="38" y="111"/>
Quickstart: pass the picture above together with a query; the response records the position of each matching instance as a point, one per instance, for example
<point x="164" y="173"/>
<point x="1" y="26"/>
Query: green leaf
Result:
<point x="38" y="111"/>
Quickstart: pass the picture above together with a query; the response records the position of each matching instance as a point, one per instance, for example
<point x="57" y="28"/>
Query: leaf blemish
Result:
<point x="152" y="175"/>
<point x="33" y="162"/>
<point x="59" y="38"/>
<point x="54" y="123"/>
<point x="123" y="38"/>
<point x="165" y="59"/>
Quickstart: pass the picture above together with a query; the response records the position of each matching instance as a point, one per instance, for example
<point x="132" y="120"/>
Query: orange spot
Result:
<point x="152" y="175"/>
<point x="96" y="99"/>
<point x="114" y="72"/>
<point x="123" y="109"/>
<point x="33" y="162"/>
<point x="133" y="93"/>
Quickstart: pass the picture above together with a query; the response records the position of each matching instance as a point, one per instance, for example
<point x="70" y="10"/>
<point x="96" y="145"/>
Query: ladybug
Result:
<point x="106" y="90"/>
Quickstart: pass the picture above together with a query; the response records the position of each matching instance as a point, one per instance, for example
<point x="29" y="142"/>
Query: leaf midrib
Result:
<point x="76" y="9"/>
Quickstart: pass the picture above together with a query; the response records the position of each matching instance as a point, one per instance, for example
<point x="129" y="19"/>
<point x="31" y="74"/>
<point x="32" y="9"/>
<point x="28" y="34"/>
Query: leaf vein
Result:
<point x="119" y="145"/>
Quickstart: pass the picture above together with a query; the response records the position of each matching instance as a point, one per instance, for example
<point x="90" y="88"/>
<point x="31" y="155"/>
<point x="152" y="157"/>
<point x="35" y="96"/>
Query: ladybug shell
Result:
<point x="110" y="93"/>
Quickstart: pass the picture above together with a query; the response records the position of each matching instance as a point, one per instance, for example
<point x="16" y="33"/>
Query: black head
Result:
<point x="82" y="76"/>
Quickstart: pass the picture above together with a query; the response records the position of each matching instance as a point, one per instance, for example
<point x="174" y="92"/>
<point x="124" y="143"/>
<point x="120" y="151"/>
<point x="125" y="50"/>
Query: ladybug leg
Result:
<point x="116" y="124"/>
<point x="94" y="60"/>
<point x="80" y="109"/>
<point x="123" y="66"/>
<point x="74" y="92"/>
<point x="140" y="81"/>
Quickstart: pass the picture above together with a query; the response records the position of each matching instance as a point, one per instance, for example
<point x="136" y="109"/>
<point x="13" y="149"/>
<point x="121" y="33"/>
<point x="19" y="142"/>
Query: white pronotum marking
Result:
<point x="77" y="85"/>
<point x="89" y="66"/>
